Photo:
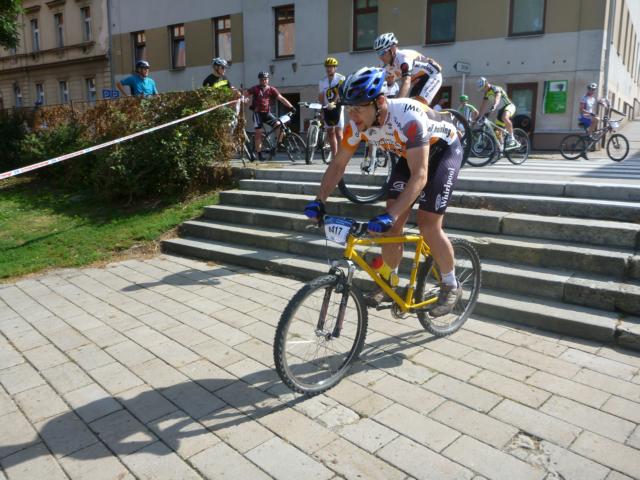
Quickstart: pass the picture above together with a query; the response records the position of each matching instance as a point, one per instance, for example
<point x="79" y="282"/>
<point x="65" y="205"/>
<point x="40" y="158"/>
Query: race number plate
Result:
<point x="337" y="229"/>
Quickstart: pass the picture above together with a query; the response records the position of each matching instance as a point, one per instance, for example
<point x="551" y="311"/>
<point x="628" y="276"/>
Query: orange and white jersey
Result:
<point x="409" y="124"/>
<point x="412" y="63"/>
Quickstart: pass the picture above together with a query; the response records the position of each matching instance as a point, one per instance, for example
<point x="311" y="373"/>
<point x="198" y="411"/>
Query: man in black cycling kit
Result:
<point x="431" y="156"/>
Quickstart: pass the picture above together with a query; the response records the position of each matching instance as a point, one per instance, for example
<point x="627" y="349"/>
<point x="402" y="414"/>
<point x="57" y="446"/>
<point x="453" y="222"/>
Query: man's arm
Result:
<point x="285" y="102"/>
<point x="405" y="86"/>
<point x="120" y="87"/>
<point x="418" y="161"/>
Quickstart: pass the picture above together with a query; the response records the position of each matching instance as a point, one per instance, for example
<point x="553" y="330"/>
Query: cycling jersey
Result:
<point x="588" y="103"/>
<point x="261" y="97"/>
<point x="414" y="64"/>
<point x="216" y="82"/>
<point x="329" y="88"/>
<point x="493" y="91"/>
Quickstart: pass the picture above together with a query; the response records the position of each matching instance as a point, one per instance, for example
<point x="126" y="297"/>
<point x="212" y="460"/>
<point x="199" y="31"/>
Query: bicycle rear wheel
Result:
<point x="312" y="141"/>
<point x="311" y="353"/>
<point x="468" y="273"/>
<point x="617" y="147"/>
<point x="573" y="146"/>
<point x="327" y="154"/>
<point x="519" y="155"/>
<point x="295" y="146"/>
<point x="464" y="132"/>
<point x="483" y="149"/>
<point x="364" y="186"/>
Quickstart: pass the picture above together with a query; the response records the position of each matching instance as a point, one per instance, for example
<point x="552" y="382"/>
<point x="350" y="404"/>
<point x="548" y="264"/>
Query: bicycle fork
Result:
<point x="343" y="286"/>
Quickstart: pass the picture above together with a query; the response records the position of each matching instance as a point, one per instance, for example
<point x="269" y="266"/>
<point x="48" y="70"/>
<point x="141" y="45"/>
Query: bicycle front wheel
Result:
<point x="319" y="335"/>
<point x="312" y="141"/>
<point x="483" y="149"/>
<point x="295" y="146"/>
<point x="617" y="147"/>
<point x="519" y="155"/>
<point x="327" y="154"/>
<point x="572" y="146"/>
<point x="364" y="186"/>
<point x="468" y="274"/>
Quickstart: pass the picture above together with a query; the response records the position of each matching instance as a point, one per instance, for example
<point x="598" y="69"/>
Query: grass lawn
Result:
<point x="43" y="227"/>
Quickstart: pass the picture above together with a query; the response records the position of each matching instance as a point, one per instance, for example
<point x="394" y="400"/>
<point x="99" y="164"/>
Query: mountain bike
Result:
<point x="322" y="330"/>
<point x="577" y="145"/>
<point x="290" y="142"/>
<point x="489" y="143"/>
<point x="317" y="139"/>
<point x="365" y="187"/>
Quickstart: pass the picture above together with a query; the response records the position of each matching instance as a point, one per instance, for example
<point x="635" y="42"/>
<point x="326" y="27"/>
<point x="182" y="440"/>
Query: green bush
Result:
<point x="171" y="161"/>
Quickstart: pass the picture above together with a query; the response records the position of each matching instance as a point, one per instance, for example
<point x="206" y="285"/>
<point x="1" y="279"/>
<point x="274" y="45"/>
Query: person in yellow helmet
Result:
<point x="328" y="95"/>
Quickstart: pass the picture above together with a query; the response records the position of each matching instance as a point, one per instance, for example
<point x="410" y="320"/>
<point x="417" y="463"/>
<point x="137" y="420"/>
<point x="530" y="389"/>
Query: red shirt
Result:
<point x="261" y="100"/>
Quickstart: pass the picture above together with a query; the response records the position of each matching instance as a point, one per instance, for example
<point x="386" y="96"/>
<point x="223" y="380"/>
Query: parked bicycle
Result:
<point x="578" y="145"/>
<point x="317" y="139"/>
<point x="489" y="143"/>
<point x="364" y="186"/>
<point x="290" y="142"/>
<point x="322" y="330"/>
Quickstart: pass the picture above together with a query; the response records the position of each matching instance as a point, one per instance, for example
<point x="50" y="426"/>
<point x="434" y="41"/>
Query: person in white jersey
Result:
<point x="328" y="95"/>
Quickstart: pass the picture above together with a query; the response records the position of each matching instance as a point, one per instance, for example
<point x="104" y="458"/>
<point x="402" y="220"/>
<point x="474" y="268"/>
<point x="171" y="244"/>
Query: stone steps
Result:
<point x="548" y="314"/>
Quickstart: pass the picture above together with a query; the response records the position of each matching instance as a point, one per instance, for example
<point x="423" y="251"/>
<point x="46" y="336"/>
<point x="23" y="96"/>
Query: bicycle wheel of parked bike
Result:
<point x="573" y="146"/>
<point x="295" y="146"/>
<point x="365" y="186"/>
<point x="313" y="134"/>
<point x="468" y="273"/>
<point x="327" y="155"/>
<point x="483" y="149"/>
<point x="320" y="333"/>
<point x="519" y="155"/>
<point x="617" y="147"/>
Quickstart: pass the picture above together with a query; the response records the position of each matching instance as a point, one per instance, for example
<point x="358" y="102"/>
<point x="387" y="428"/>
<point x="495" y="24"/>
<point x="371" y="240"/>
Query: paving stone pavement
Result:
<point x="162" y="368"/>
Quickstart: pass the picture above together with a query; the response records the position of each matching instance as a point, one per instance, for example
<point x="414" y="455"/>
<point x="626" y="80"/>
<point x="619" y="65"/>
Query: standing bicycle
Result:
<point x="279" y="137"/>
<point x="317" y="139"/>
<point x="578" y="145"/>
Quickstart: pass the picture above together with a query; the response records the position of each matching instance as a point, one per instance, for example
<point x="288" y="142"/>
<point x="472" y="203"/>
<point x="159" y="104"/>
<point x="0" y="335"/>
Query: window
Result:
<point x="39" y="94"/>
<point x="526" y="17"/>
<point x="178" y="48"/>
<point x="365" y="24"/>
<point x="59" y="29"/>
<point x="441" y="21"/>
<point x="85" y="13"/>
<point x="35" y="35"/>
<point x="91" y="89"/>
<point x="222" y="30"/>
<point x="139" y="47"/>
<point x="17" y="95"/>
<point x="285" y="31"/>
<point x="64" y="91"/>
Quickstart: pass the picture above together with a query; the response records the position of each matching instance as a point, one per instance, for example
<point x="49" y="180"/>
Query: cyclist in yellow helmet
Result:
<point x="328" y="95"/>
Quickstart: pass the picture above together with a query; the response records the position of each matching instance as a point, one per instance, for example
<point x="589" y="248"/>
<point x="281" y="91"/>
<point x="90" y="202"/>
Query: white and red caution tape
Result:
<point x="62" y="158"/>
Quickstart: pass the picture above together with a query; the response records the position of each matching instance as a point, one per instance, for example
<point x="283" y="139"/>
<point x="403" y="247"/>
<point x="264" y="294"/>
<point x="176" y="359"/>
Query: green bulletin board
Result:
<point x="555" y="96"/>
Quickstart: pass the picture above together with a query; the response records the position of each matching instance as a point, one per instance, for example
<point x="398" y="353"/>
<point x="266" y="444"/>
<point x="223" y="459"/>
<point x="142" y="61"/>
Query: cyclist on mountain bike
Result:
<point x="419" y="76"/>
<point x="494" y="97"/>
<point x="328" y="96"/>
<point x="431" y="156"/>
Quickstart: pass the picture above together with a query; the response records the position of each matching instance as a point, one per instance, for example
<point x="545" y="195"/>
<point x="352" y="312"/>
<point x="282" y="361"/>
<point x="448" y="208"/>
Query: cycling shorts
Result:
<point x="511" y="108"/>
<point x="444" y="165"/>
<point x="426" y="87"/>
<point x="585" y="122"/>
<point x="333" y="118"/>
<point x="260" y="118"/>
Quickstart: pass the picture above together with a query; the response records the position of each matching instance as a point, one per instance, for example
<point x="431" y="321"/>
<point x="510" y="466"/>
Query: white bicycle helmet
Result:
<point x="592" y="86"/>
<point x="384" y="41"/>
<point x="220" y="62"/>
<point x="481" y="83"/>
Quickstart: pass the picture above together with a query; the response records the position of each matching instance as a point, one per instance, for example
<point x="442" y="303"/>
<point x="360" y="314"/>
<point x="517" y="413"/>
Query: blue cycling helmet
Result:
<point x="363" y="86"/>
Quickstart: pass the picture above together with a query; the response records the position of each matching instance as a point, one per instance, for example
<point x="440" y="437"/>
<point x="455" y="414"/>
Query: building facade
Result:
<point x="544" y="52"/>
<point x="63" y="54"/>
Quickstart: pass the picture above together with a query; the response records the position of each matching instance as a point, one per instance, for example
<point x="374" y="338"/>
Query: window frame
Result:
<point x="219" y="31"/>
<point x="58" y="23"/>
<point x="17" y="95"/>
<point x="89" y="89"/>
<point x="430" y="3"/>
<point x="40" y="93"/>
<point x="64" y="92"/>
<point x="87" y="28"/>
<point x="529" y="33"/>
<point x="137" y="45"/>
<point x="173" y="38"/>
<point x="35" y="35"/>
<point x="355" y="12"/>
<point x="286" y="21"/>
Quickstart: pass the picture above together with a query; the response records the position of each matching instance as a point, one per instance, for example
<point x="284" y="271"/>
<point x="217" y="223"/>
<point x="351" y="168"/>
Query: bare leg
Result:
<point x="506" y="118"/>
<point x="430" y="225"/>
<point x="392" y="252"/>
<point x="258" y="140"/>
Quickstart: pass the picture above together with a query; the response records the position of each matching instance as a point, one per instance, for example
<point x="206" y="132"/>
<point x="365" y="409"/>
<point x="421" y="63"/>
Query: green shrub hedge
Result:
<point x="170" y="161"/>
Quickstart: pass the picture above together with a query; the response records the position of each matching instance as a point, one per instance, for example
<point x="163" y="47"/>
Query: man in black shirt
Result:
<point x="217" y="78"/>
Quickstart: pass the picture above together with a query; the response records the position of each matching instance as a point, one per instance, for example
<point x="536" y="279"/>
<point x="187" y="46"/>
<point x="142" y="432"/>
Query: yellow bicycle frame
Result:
<point x="406" y="304"/>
